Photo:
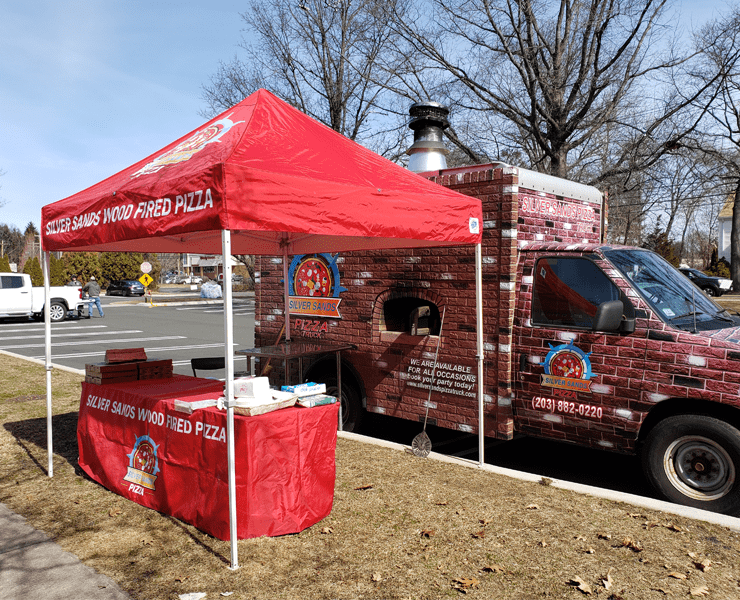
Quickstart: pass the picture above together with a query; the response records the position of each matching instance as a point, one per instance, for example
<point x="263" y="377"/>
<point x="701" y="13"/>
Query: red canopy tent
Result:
<point x="270" y="175"/>
<point x="261" y="178"/>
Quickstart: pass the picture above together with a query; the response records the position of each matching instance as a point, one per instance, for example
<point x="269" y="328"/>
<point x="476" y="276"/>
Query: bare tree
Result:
<point x="318" y="55"/>
<point x="547" y="78"/>
<point x="719" y="137"/>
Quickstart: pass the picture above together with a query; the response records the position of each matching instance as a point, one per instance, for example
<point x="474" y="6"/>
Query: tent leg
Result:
<point x="47" y="345"/>
<point x="229" y="357"/>
<point x="286" y="295"/>
<point x="479" y="353"/>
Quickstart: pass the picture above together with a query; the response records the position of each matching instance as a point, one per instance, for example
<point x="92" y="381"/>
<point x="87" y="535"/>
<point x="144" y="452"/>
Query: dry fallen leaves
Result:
<point x="427" y="533"/>
<point x="368" y="486"/>
<point x="607" y="581"/>
<point x="578" y="583"/>
<point x="494" y="568"/>
<point x="532" y="506"/>
<point x="703" y="565"/>
<point x="631" y="544"/>
<point x="661" y="590"/>
<point x="463" y="584"/>
<point x="479" y="535"/>
<point x="376" y="577"/>
<point x="676" y="575"/>
<point x="327" y="530"/>
<point x="699" y="590"/>
<point x="113" y="512"/>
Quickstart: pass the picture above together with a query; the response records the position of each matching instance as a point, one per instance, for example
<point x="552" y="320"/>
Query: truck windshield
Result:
<point x="671" y="295"/>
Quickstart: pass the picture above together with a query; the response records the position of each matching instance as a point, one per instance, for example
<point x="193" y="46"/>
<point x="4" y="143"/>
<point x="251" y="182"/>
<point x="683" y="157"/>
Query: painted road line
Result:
<point x="147" y="350"/>
<point x="39" y="326"/>
<point x="87" y="342"/>
<point x="56" y="336"/>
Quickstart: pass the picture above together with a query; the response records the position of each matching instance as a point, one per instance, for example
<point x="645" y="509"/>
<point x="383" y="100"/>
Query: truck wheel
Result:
<point x="352" y="411"/>
<point x="695" y="460"/>
<point x="57" y="312"/>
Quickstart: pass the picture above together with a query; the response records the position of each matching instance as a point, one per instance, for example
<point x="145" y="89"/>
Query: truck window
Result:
<point x="9" y="282"/>
<point x="567" y="291"/>
<point x="411" y="315"/>
<point x="672" y="296"/>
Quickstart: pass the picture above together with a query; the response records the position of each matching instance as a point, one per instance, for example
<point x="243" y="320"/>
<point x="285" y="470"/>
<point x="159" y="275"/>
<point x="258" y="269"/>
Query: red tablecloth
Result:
<point x="133" y="442"/>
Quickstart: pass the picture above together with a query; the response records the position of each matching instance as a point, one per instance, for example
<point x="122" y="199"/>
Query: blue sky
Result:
<point x="89" y="87"/>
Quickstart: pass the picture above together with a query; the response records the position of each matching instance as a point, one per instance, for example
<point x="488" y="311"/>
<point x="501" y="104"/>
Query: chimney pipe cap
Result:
<point x="424" y="114"/>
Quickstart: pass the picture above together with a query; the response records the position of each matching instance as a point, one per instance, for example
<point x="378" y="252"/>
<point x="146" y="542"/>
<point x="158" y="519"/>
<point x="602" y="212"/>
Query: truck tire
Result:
<point x="352" y="411"/>
<point x="710" y="291"/>
<point x="57" y="311"/>
<point x="695" y="460"/>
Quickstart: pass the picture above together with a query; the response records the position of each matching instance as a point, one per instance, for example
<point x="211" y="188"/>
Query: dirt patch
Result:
<point x="26" y="398"/>
<point x="401" y="528"/>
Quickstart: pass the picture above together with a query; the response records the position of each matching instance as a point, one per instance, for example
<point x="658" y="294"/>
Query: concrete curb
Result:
<point x="732" y="523"/>
<point x="43" y="363"/>
<point x="32" y="567"/>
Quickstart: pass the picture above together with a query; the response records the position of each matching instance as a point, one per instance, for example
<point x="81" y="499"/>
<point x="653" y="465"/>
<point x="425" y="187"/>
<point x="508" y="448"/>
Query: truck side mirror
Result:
<point x="608" y="316"/>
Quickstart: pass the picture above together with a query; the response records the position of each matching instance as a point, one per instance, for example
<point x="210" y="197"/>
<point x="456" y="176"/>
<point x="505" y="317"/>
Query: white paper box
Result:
<point x="252" y="387"/>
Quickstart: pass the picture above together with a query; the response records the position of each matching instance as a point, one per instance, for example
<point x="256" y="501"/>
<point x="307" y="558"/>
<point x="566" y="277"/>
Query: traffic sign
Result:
<point x="146" y="279"/>
<point x="146" y="267"/>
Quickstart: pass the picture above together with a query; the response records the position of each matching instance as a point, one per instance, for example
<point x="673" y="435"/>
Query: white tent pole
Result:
<point x="286" y="290"/>
<point x="479" y="353"/>
<point x="229" y="357"/>
<point x="47" y="344"/>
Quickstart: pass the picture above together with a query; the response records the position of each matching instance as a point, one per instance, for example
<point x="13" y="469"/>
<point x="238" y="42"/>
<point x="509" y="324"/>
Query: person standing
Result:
<point x="93" y="290"/>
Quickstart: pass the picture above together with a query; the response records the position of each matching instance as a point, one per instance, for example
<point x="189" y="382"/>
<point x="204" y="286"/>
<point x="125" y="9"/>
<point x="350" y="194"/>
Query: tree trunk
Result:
<point x="735" y="240"/>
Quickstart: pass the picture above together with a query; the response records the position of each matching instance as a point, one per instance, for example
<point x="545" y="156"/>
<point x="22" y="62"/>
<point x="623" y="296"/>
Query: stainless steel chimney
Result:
<point x="428" y="120"/>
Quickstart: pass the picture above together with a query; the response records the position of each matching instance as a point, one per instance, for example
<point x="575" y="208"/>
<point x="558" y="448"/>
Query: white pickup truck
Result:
<point x="19" y="298"/>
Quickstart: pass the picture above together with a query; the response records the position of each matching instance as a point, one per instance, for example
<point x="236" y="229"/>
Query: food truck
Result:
<point x="586" y="342"/>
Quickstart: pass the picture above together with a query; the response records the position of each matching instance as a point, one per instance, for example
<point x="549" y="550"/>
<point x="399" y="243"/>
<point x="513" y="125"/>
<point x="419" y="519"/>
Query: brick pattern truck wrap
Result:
<point x="604" y="346"/>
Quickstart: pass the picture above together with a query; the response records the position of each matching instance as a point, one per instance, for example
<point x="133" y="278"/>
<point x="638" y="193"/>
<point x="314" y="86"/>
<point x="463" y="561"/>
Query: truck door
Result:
<point x="15" y="298"/>
<point x="569" y="374"/>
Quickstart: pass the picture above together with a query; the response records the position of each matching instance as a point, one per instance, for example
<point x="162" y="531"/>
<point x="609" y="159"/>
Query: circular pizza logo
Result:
<point x="314" y="275"/>
<point x="568" y="360"/>
<point x="143" y="464"/>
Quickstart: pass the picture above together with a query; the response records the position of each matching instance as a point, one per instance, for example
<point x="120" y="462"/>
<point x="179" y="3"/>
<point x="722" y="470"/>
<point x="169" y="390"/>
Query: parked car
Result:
<point x="188" y="279"/>
<point x="235" y="278"/>
<point x="125" y="287"/>
<point x="19" y="298"/>
<point x="710" y="285"/>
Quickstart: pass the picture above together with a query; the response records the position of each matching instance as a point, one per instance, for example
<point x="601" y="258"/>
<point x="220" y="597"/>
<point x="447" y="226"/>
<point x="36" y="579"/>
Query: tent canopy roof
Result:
<point x="276" y="179"/>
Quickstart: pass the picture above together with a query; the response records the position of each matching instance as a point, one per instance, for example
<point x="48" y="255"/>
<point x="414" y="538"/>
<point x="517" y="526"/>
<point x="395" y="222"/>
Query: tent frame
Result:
<point x="229" y="382"/>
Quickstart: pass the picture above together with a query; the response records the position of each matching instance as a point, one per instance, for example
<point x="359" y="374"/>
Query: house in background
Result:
<point x="724" y="228"/>
<point x="210" y="266"/>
